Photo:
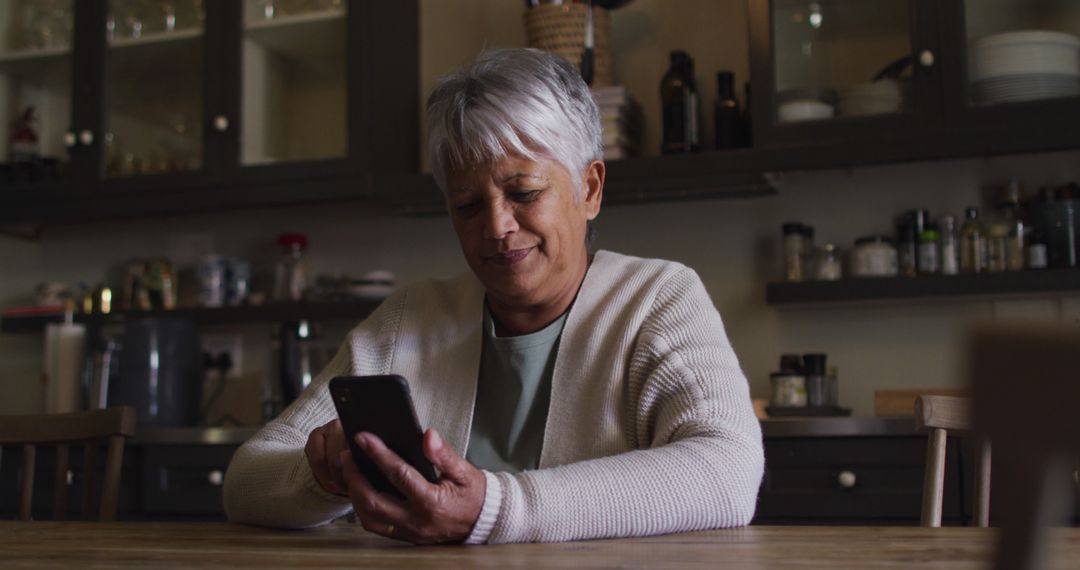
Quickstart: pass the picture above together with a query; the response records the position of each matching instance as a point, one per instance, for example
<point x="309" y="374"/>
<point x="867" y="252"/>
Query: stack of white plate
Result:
<point x="881" y="97"/>
<point x="1025" y="66"/>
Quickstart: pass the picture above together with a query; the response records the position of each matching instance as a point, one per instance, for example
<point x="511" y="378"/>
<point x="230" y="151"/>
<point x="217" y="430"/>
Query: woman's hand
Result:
<point x="323" y="451"/>
<point x="432" y="513"/>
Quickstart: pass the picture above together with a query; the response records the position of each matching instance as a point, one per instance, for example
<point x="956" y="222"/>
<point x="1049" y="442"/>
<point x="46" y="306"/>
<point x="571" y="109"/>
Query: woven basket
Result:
<point x="561" y="31"/>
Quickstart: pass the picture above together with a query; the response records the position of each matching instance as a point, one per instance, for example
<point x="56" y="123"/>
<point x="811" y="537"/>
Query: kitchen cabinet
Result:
<point x="184" y="105"/>
<point x="963" y="85"/>
<point x="159" y="481"/>
<point x="851" y="480"/>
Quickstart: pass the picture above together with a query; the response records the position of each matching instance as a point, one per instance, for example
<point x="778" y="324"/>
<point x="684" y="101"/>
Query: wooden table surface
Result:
<point x="161" y="546"/>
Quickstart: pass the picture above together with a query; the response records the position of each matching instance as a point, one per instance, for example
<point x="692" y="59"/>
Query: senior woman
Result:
<point x="567" y="395"/>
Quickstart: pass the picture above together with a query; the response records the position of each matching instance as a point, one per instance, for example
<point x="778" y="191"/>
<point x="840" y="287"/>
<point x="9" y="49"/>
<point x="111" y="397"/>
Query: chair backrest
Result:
<point x="1026" y="385"/>
<point x="941" y="415"/>
<point x="90" y="429"/>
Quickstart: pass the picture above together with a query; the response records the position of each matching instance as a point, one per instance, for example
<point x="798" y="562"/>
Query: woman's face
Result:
<point x="522" y="228"/>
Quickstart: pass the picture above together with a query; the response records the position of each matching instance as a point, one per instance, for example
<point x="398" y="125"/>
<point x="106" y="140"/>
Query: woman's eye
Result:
<point x="468" y="207"/>
<point x="525" y="196"/>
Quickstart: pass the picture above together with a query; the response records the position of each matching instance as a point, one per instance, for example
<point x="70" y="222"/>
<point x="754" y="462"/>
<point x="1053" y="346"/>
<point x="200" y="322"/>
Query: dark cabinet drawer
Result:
<point x="851" y="480"/>
<point x="184" y="479"/>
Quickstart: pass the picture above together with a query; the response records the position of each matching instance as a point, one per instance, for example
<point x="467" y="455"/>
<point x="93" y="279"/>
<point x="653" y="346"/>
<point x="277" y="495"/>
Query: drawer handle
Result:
<point x="846" y="479"/>
<point x="216" y="477"/>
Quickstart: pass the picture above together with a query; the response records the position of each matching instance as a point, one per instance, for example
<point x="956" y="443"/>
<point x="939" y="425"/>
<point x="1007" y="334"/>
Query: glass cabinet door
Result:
<point x="836" y="59"/>
<point x="1021" y="50"/>
<point x="154" y="87"/>
<point x="36" y="39"/>
<point x="294" y="81"/>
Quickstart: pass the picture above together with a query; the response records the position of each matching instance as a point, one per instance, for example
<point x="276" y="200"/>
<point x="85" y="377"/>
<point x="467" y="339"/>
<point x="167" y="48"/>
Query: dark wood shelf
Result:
<point x="274" y="312"/>
<point x="1024" y="283"/>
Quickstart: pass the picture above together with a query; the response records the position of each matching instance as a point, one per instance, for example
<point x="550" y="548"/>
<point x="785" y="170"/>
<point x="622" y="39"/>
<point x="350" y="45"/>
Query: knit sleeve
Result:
<point x="699" y="457"/>
<point x="269" y="481"/>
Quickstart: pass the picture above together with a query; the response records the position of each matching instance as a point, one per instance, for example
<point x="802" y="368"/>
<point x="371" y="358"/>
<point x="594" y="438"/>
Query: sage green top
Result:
<point x="512" y="398"/>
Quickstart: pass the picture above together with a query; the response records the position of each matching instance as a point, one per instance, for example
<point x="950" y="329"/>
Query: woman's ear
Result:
<point x="595" y="174"/>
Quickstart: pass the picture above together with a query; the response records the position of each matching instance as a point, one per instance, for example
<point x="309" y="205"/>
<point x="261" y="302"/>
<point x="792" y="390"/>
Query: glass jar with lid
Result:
<point x="874" y="256"/>
<point x="827" y="265"/>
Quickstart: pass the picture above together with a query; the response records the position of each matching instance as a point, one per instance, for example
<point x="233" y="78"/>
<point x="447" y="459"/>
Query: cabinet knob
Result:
<point x="70" y="139"/>
<point x="846" y="479"/>
<point x="927" y="58"/>
<point x="221" y="123"/>
<point x="86" y="138"/>
<point x="215" y="477"/>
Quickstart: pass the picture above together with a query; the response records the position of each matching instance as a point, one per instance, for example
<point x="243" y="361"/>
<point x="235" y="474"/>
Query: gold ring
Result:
<point x="390" y="529"/>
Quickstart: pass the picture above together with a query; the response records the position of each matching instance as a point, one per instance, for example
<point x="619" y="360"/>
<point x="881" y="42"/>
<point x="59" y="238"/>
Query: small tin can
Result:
<point x="788" y="390"/>
<point x="212" y="281"/>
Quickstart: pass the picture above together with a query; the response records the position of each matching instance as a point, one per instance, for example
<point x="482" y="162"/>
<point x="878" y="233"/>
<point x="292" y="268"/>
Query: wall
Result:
<point x="733" y="244"/>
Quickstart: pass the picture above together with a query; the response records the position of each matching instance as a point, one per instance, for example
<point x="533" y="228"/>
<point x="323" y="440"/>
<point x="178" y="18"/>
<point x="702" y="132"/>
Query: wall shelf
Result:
<point x="274" y="312"/>
<point x="985" y="285"/>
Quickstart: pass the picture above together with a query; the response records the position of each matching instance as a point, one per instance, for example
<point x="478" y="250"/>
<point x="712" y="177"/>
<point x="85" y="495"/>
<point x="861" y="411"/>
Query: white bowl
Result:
<point x="805" y="110"/>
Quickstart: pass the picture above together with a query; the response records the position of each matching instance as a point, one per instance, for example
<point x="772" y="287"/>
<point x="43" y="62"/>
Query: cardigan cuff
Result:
<point x="489" y="514"/>
<point x="312" y="486"/>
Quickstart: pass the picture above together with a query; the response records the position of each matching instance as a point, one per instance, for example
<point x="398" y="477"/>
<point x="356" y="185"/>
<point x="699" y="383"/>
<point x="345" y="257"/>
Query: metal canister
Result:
<point x="212" y="282"/>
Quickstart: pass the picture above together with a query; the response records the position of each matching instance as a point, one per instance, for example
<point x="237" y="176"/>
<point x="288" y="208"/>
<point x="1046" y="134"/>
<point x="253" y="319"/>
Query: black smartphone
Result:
<point x="381" y="405"/>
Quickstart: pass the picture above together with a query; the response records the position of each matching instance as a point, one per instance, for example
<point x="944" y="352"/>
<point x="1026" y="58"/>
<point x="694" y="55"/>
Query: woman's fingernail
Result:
<point x="436" y="440"/>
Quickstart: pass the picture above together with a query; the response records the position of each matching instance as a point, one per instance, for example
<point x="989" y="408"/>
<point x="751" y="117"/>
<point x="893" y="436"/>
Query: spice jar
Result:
<point x="949" y="250"/>
<point x="794" y="251"/>
<point x="827" y="266"/>
<point x="788" y="390"/>
<point x="874" y="256"/>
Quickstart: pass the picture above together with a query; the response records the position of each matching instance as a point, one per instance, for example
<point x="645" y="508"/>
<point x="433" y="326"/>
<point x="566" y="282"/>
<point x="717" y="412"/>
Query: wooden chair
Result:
<point x="90" y="429"/>
<point x="1025" y="394"/>
<point x="941" y="415"/>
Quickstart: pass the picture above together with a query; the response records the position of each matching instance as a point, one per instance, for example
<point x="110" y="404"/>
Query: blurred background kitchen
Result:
<point x="218" y="191"/>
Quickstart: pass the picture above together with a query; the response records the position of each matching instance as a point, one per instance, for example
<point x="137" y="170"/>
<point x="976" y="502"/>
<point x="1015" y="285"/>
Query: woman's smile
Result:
<point x="510" y="257"/>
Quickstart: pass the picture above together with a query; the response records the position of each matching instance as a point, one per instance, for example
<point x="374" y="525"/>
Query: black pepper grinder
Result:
<point x="678" y="94"/>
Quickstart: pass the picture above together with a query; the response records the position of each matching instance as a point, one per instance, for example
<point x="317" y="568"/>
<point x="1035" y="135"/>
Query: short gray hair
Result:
<point x="513" y="101"/>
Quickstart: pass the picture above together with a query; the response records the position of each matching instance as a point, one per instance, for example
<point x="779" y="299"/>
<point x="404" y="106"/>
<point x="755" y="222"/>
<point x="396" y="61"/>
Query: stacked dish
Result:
<point x="881" y="97"/>
<point x="1025" y="66"/>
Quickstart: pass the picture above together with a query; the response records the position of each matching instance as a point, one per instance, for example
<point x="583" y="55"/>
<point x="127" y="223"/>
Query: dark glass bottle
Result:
<point x="728" y="120"/>
<point x="678" y="94"/>
<point x="747" y="123"/>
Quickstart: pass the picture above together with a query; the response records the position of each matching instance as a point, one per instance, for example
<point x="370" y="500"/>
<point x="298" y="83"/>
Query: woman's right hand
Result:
<point x="323" y="451"/>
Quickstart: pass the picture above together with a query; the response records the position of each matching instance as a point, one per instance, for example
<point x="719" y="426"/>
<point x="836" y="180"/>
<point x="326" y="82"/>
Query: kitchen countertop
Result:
<point x="772" y="427"/>
<point x="192" y="436"/>
<point x="838" y="427"/>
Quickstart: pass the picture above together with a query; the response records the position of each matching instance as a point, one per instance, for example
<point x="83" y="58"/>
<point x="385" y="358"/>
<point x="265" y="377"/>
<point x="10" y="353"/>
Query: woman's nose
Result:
<point x="499" y="220"/>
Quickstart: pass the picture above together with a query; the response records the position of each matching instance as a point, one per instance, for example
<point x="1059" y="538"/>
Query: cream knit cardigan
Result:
<point x="650" y="428"/>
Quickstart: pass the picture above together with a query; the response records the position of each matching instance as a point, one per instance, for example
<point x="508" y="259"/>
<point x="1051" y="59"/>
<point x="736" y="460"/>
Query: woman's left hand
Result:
<point x="432" y="513"/>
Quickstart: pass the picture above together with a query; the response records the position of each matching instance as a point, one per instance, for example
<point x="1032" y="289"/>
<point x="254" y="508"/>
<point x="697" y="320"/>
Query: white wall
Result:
<point x="733" y="244"/>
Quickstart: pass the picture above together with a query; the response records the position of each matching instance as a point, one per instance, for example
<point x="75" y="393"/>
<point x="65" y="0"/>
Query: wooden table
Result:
<point x="160" y="546"/>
